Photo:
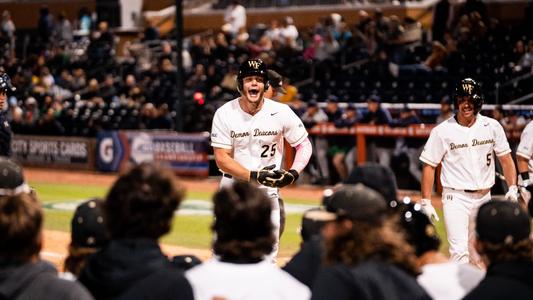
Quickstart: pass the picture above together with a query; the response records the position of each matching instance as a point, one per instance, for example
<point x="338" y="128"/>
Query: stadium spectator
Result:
<point x="88" y="234"/>
<point x="138" y="210"/>
<point x="503" y="240"/>
<point x="366" y="255"/>
<point x="379" y="148"/>
<point x="23" y="275"/>
<point x="243" y="238"/>
<point x="442" y="279"/>
<point x="235" y="17"/>
<point x="446" y="109"/>
<point x="312" y="116"/>
<point x="7" y="26"/>
<point x="343" y="148"/>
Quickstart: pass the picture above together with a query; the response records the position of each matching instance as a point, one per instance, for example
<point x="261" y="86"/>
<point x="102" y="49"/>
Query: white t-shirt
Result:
<point x="219" y="280"/>
<point x="256" y="141"/>
<point x="449" y="281"/>
<point x="466" y="153"/>
<point x="525" y="148"/>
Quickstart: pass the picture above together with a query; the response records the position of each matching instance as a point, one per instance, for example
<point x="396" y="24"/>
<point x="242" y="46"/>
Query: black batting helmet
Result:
<point x="252" y="67"/>
<point x="5" y="83"/>
<point x="469" y="87"/>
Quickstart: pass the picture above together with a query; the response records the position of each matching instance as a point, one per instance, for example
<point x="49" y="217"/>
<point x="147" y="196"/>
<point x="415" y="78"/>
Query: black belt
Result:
<point x="472" y="191"/>
<point x="227" y="175"/>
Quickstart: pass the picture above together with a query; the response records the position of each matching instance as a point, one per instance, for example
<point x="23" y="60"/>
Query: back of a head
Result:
<point x="141" y="203"/>
<point x="312" y="223"/>
<point x="21" y="218"/>
<point x="503" y="229"/>
<point x="242" y="224"/>
<point x="376" y="177"/>
<point x="421" y="233"/>
<point x="11" y="178"/>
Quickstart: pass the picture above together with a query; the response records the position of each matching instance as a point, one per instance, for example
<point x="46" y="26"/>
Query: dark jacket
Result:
<point x="368" y="280"/>
<point x="5" y="135"/>
<point x="122" y="265"/>
<point x="511" y="280"/>
<point x="37" y="281"/>
<point x="305" y="264"/>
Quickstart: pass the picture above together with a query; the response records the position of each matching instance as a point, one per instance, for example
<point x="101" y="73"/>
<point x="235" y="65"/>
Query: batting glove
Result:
<point x="429" y="210"/>
<point x="285" y="177"/>
<point x="264" y="176"/>
<point x="524" y="193"/>
<point x="512" y="194"/>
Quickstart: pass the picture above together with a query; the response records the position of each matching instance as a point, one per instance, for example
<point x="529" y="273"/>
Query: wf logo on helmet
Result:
<point x="468" y="87"/>
<point x="254" y="64"/>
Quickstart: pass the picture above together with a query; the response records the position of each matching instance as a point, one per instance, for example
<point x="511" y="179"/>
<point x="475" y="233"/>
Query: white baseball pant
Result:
<point x="460" y="210"/>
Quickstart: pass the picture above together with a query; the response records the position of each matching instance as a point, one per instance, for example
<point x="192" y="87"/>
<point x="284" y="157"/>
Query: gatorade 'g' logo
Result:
<point x="254" y="64"/>
<point x="106" y="150"/>
<point x="468" y="88"/>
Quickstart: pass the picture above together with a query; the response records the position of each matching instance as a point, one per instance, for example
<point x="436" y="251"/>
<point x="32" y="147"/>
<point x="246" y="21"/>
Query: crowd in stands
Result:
<point x="73" y="81"/>
<point x="362" y="243"/>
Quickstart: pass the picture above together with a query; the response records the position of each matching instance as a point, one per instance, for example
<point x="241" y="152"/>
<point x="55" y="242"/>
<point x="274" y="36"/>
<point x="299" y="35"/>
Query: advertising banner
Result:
<point x="185" y="154"/>
<point x="54" y="151"/>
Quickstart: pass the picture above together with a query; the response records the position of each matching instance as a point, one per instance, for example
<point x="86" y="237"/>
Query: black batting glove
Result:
<point x="265" y="176"/>
<point x="285" y="177"/>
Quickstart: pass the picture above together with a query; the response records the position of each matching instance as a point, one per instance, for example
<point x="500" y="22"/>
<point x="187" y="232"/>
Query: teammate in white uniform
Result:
<point x="244" y="235"/>
<point x="248" y="135"/>
<point x="465" y="145"/>
<point x="524" y="162"/>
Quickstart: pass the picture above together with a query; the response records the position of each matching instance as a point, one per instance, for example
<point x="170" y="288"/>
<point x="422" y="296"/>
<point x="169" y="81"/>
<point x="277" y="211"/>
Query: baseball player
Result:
<point x="465" y="145"/>
<point x="5" y="129"/>
<point x="524" y="153"/>
<point x="247" y="137"/>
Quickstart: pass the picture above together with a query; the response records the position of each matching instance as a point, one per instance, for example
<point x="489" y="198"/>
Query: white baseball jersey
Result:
<point x="220" y="280"/>
<point x="466" y="153"/>
<point x="525" y="148"/>
<point x="256" y="141"/>
<point x="450" y="280"/>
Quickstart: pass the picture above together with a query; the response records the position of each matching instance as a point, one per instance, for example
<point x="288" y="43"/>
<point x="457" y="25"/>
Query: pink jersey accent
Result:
<point x="303" y="154"/>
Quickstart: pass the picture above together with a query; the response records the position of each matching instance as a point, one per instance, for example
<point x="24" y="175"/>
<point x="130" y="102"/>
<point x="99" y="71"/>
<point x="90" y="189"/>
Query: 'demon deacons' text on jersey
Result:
<point x="525" y="148"/>
<point x="256" y="141"/>
<point x="466" y="152"/>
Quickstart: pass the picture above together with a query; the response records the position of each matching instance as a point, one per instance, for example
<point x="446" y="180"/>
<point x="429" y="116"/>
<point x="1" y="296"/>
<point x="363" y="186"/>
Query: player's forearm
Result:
<point x="303" y="153"/>
<point x="509" y="170"/>
<point x="522" y="164"/>
<point x="230" y="166"/>
<point x="428" y="176"/>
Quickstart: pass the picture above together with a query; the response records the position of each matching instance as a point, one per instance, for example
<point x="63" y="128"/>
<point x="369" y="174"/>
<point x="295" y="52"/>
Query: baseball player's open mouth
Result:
<point x="253" y="92"/>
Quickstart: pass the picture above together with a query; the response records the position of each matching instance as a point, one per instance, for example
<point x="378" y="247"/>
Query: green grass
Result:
<point x="187" y="231"/>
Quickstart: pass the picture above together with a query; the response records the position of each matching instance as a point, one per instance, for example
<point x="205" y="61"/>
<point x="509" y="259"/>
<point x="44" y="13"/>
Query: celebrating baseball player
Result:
<point x="524" y="154"/>
<point x="247" y="137"/>
<point x="5" y="129"/>
<point x="465" y="144"/>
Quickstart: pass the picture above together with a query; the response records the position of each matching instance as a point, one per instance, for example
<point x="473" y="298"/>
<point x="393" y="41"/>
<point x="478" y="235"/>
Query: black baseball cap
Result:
<point x="12" y="178"/>
<point x="377" y="177"/>
<point x="356" y="202"/>
<point x="88" y="228"/>
<point x="312" y="222"/>
<point x="276" y="81"/>
<point x="502" y="222"/>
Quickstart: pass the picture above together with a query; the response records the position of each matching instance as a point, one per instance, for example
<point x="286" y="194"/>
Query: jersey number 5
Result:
<point x="489" y="158"/>
<point x="266" y="152"/>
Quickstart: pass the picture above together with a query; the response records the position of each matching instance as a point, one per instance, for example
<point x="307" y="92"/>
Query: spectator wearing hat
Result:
<point x="441" y="278"/>
<point x="343" y="157"/>
<point x="138" y="210"/>
<point x="380" y="149"/>
<point x="88" y="234"/>
<point x="23" y="275"/>
<point x="243" y="240"/>
<point x="12" y="180"/>
<point x="366" y="257"/>
<point x="275" y="88"/>
<point x="503" y="240"/>
<point x="446" y="110"/>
